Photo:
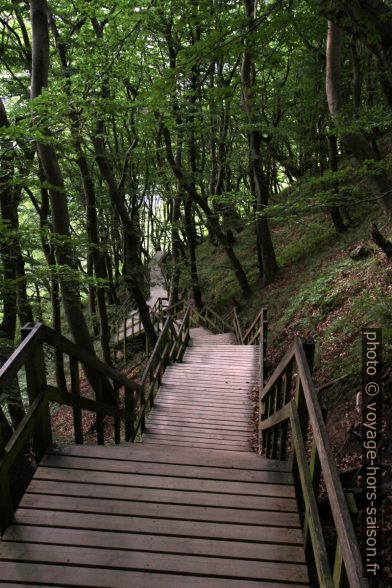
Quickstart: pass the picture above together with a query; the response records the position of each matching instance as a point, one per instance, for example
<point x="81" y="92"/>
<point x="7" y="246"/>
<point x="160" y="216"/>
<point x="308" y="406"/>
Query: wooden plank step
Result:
<point x="225" y="416"/>
<point x="140" y="561"/>
<point x="175" y="470"/>
<point x="207" y="408"/>
<point x="151" y="510"/>
<point x="161" y="496"/>
<point x="213" y="375"/>
<point x="193" y="422"/>
<point x="63" y="575"/>
<point x="156" y="543"/>
<point x="201" y="445"/>
<point x="164" y="482"/>
<point x="138" y="452"/>
<point x="154" y="526"/>
<point x="209" y="376"/>
<point x="199" y="439"/>
<point x="223" y="422"/>
<point x="232" y="393"/>
<point x="198" y="432"/>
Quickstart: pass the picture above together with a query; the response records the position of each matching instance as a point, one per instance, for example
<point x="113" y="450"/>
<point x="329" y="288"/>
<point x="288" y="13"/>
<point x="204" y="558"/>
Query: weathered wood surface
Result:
<point x="190" y="506"/>
<point x="204" y="401"/>
<point x="148" y="516"/>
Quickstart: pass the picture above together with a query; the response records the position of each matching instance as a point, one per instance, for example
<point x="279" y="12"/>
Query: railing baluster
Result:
<point x="36" y="382"/>
<point x="125" y="339"/>
<point x="117" y="421"/>
<point x="129" y="404"/>
<point x="276" y="406"/>
<point x="99" y="415"/>
<point x="7" y="507"/>
<point x="262" y="365"/>
<point x="75" y="391"/>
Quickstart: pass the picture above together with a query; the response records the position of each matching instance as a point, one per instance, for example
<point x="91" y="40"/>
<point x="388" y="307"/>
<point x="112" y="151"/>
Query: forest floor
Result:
<point x="321" y="292"/>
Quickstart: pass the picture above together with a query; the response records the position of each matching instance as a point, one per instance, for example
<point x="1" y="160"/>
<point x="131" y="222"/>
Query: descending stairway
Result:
<point x="204" y="401"/>
<point x="188" y="507"/>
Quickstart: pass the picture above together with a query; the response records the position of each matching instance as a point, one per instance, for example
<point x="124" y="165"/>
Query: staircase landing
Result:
<point x="155" y="517"/>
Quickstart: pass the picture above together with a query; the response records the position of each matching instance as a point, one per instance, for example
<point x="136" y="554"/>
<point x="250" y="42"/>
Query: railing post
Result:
<point x="262" y="364"/>
<point x="7" y="507"/>
<point x="125" y="339"/>
<point x="339" y="575"/>
<point x="99" y="415"/>
<point x="116" y="419"/>
<point x="36" y="383"/>
<point x="129" y="404"/>
<point x="75" y="391"/>
<point x="286" y="384"/>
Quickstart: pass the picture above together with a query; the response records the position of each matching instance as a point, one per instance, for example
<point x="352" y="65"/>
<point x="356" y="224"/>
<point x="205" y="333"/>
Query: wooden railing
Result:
<point x="208" y="318"/>
<point x="252" y="335"/>
<point x="170" y="347"/>
<point x="36" y="425"/>
<point x="131" y="325"/>
<point x="291" y="418"/>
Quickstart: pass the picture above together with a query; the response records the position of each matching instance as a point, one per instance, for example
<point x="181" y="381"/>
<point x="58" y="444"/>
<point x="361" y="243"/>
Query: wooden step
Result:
<point x="147" y="515"/>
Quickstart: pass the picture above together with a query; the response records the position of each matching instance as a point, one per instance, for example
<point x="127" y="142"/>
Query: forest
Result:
<point x="249" y="142"/>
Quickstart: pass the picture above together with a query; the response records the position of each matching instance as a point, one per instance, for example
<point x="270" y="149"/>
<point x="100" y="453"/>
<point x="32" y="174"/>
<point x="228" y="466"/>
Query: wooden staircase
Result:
<point x="189" y="506"/>
<point x="149" y="516"/>
<point x="204" y="401"/>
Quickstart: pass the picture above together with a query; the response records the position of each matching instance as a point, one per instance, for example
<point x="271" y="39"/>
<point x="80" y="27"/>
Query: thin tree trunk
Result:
<point x="212" y="219"/>
<point x="356" y="143"/>
<point x="59" y="207"/>
<point x="133" y="268"/>
<point x="264" y="239"/>
<point x="175" y="238"/>
<point x="8" y="210"/>
<point x="336" y="215"/>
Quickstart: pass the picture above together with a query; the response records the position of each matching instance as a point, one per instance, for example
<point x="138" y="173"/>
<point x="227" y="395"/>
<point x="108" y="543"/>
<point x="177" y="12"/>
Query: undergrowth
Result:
<point x="319" y="292"/>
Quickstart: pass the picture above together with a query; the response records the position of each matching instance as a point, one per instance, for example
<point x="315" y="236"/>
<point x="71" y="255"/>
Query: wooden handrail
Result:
<point x="279" y="411"/>
<point x="224" y="325"/>
<point x="340" y="512"/>
<point x="170" y="346"/>
<point x="37" y="422"/>
<point x="17" y="359"/>
<point x="69" y="348"/>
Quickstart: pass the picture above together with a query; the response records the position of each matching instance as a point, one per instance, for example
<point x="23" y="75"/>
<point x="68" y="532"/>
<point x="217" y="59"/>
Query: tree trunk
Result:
<point x="261" y="190"/>
<point x="9" y="215"/>
<point x="355" y="143"/>
<point x="370" y="21"/>
<point x="191" y="241"/>
<point x="133" y="270"/>
<point x="211" y="217"/>
<point x="59" y="206"/>
<point x="336" y="215"/>
<point x="175" y="238"/>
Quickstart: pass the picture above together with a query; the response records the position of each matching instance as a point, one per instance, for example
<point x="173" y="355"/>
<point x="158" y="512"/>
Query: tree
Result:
<point x="355" y="142"/>
<point x="60" y="215"/>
